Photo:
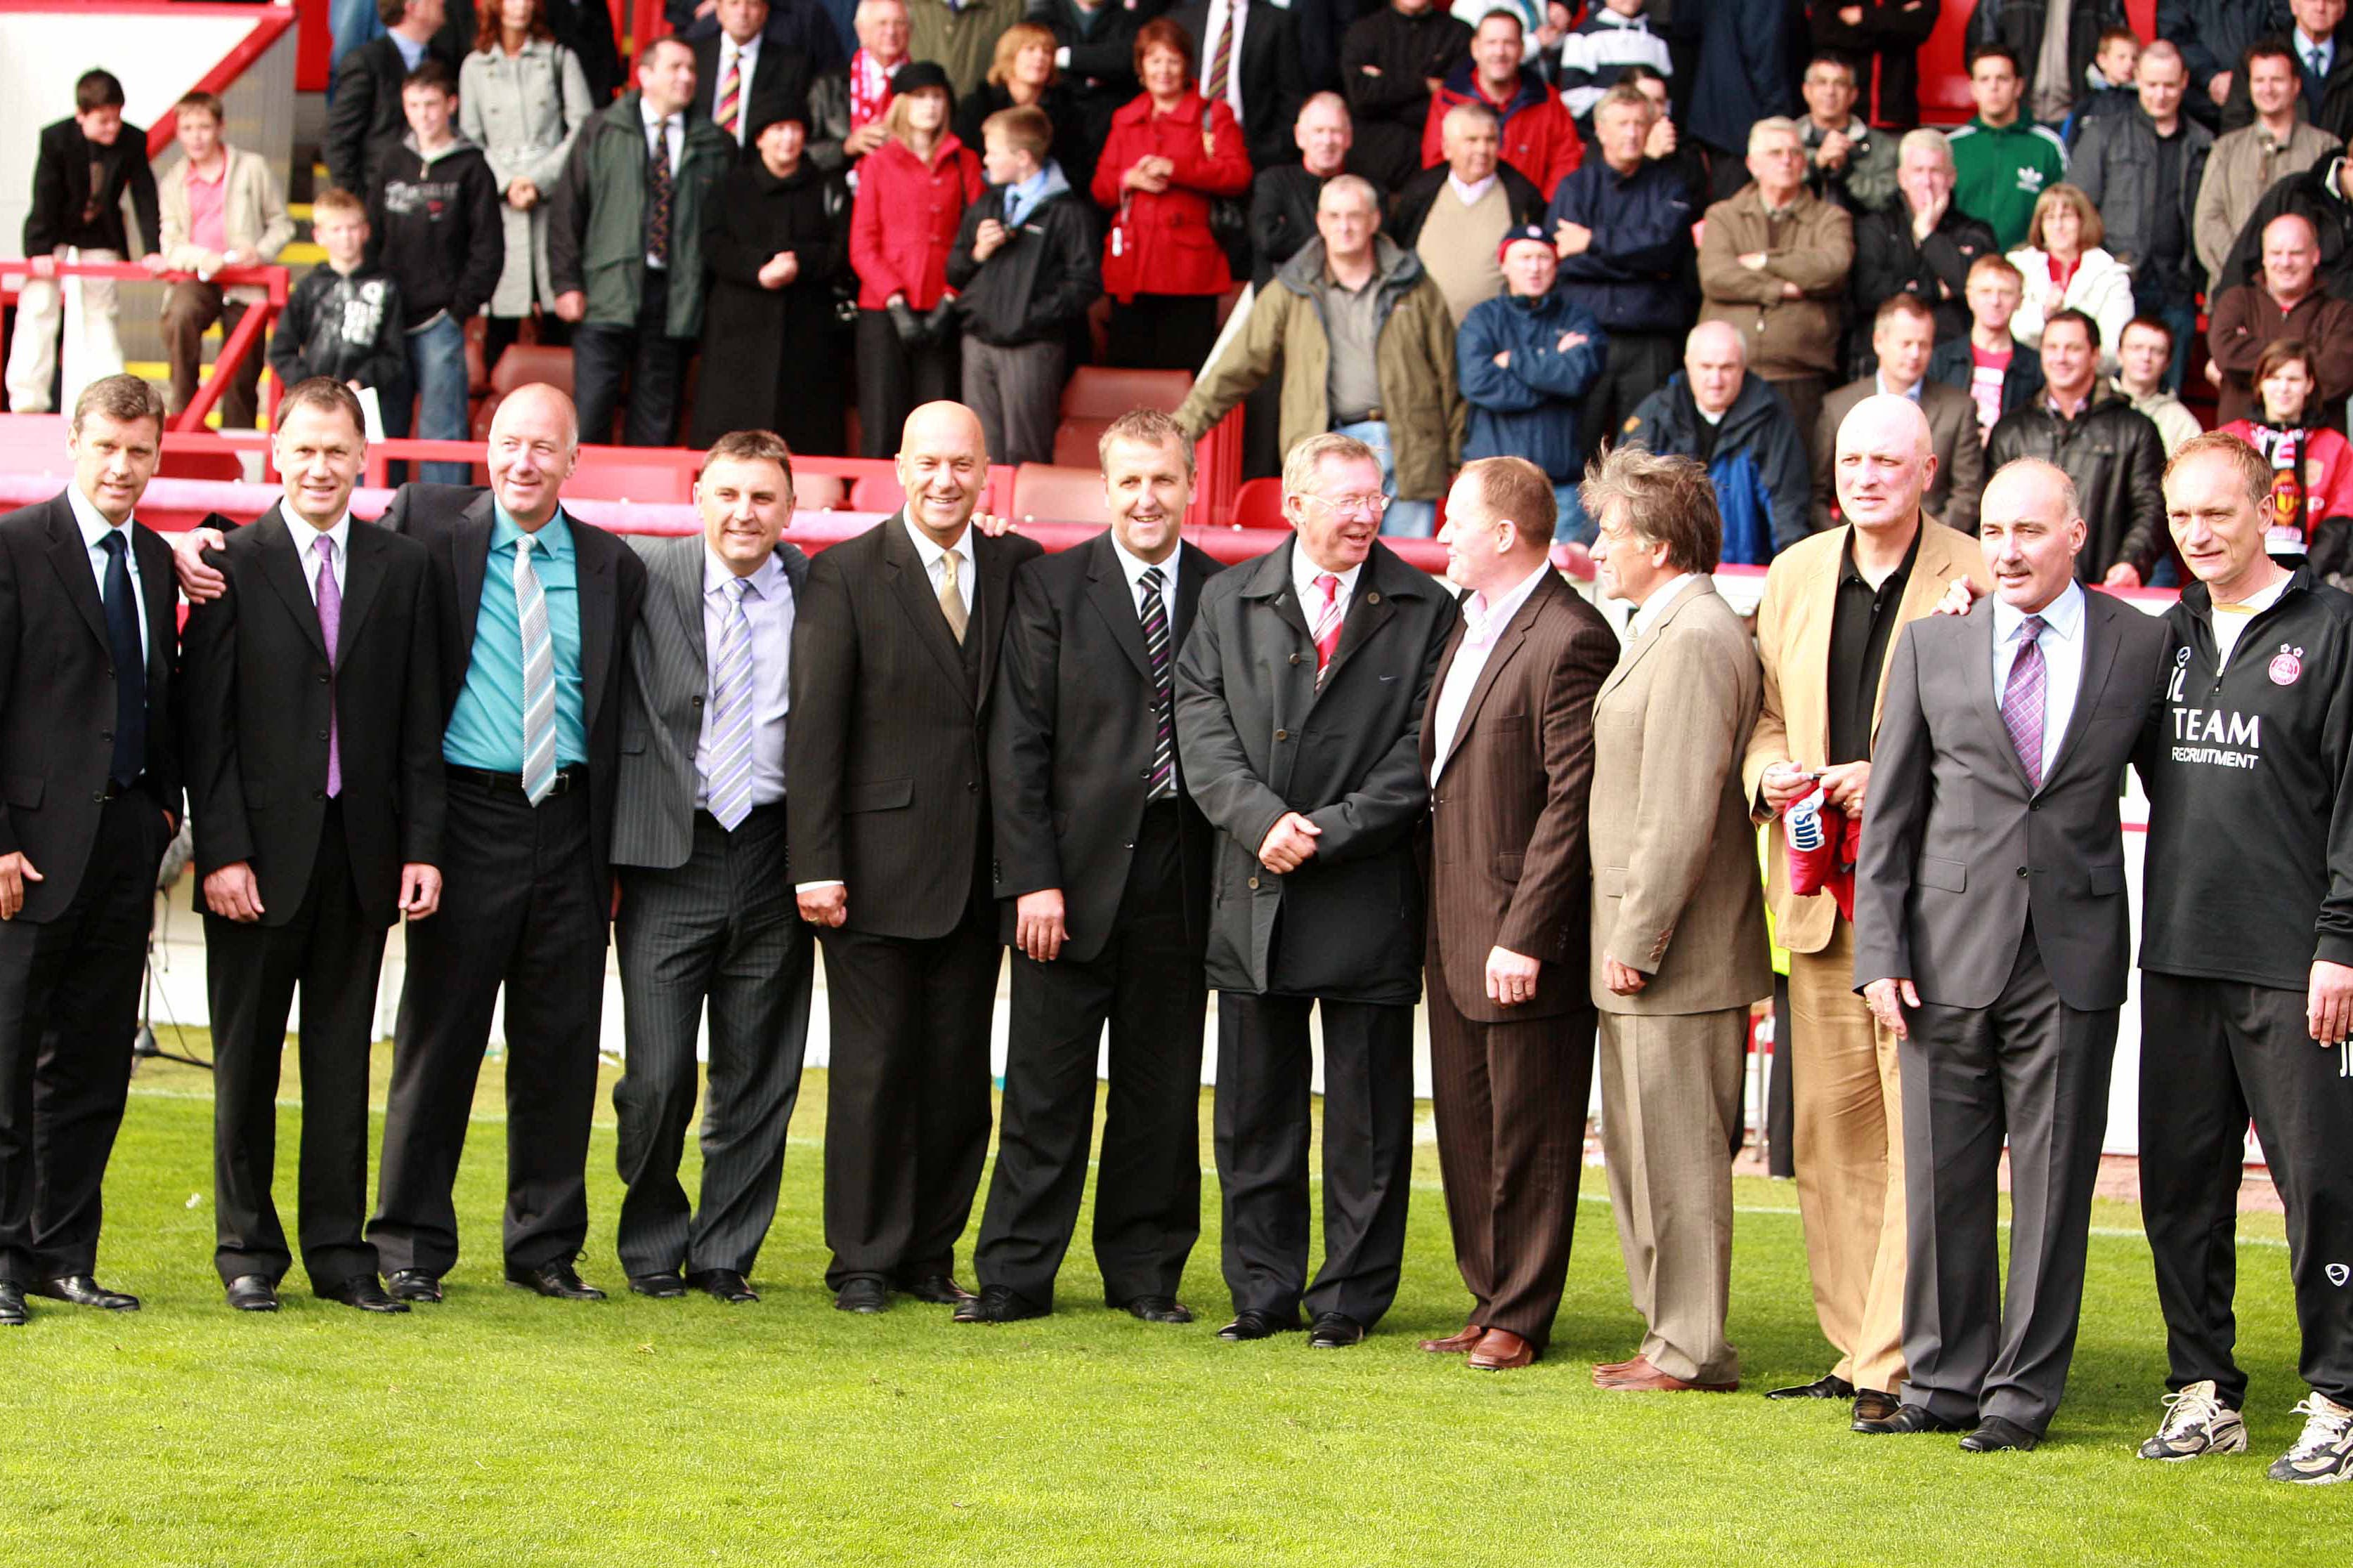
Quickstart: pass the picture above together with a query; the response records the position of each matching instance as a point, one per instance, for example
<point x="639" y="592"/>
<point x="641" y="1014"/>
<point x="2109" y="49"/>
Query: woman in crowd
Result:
<point x="520" y="96"/>
<point x="2065" y="270"/>
<point x="777" y="237"/>
<point x="1169" y="156"/>
<point x="911" y="193"/>
<point x="2312" y="466"/>
<point x="1023" y="73"/>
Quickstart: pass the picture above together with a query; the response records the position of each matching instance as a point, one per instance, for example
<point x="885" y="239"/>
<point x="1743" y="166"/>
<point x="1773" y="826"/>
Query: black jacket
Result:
<point x="61" y="192"/>
<point x="774" y="350"/>
<point x="1273" y="82"/>
<point x="2248" y="771"/>
<point x="364" y="116"/>
<point x="1937" y="273"/>
<point x="2117" y="460"/>
<point x="1884" y="47"/>
<point x="435" y="227"/>
<point x="585" y="28"/>
<point x="1640" y="274"/>
<point x="1420" y="193"/>
<point x="1388" y="61"/>
<point x="1041" y="281"/>
<point x="1953" y="364"/>
<point x="2211" y="34"/>
<point x="345" y="327"/>
<point x="2306" y="194"/>
<point x="781" y="77"/>
<point x="257" y="691"/>
<point x="1282" y="216"/>
<point x="801" y="25"/>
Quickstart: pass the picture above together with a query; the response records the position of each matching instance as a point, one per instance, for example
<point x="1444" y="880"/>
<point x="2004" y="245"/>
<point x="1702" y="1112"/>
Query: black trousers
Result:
<point x="720" y="932"/>
<point x="1636" y="366"/>
<point x="893" y="379"/>
<point x="520" y="910"/>
<point x="2213" y="1052"/>
<point x="1162" y="332"/>
<point x="1146" y="985"/>
<point x="653" y="362"/>
<point x="336" y="955"/>
<point x="2036" y="1070"/>
<point x="906" y="1096"/>
<point x="1264" y="1075"/>
<point x="68" y="1016"/>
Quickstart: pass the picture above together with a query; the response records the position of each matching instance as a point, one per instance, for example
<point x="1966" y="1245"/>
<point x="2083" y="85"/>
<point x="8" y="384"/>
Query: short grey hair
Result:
<point x="1773" y="125"/>
<point x="1302" y="468"/>
<point x="1465" y="111"/>
<point x="1928" y="138"/>
<point x="1354" y="185"/>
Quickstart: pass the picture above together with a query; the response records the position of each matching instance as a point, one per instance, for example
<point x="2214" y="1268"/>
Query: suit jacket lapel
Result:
<point x="1815" y="606"/>
<point x="592" y="579"/>
<point x="159" y="582"/>
<point x="1640" y="649"/>
<point x="363" y="575"/>
<point x="681" y="568"/>
<point x="71" y="556"/>
<point x="2099" y="657"/>
<point x="1921" y="593"/>
<point x="1194" y="567"/>
<point x="913" y="584"/>
<point x="1507" y="647"/>
<point x="1977" y="672"/>
<point x="469" y="561"/>
<point x="1107" y="591"/>
<point x="1438" y="689"/>
<point x="281" y="565"/>
<point x="1370" y="608"/>
<point x="993" y="602"/>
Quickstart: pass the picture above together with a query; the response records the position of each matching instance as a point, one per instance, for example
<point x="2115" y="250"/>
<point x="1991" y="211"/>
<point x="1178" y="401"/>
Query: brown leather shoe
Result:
<point x="1502" y="1350"/>
<point x="1456" y="1343"/>
<point x="1644" y="1378"/>
<point x="1603" y="1371"/>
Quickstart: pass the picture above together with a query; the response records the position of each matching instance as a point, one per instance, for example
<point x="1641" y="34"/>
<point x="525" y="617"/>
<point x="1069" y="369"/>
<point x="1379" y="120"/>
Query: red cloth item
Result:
<point x="1540" y="136"/>
<point x="1161" y="243"/>
<point x="904" y="222"/>
<point x="1823" y="847"/>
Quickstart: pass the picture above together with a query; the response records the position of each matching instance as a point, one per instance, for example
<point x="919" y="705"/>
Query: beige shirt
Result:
<point x="1458" y="244"/>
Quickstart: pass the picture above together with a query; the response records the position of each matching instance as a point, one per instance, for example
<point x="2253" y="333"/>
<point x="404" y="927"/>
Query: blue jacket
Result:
<point x="1528" y="410"/>
<point x="1762" y="484"/>
<point x="1640" y="275"/>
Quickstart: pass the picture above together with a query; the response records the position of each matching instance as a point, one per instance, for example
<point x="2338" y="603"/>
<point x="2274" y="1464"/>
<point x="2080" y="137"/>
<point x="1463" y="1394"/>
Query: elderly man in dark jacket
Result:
<point x="1524" y="358"/>
<point x="2112" y="452"/>
<point x="1388" y="61"/>
<point x="1918" y="244"/>
<point x="1740" y="428"/>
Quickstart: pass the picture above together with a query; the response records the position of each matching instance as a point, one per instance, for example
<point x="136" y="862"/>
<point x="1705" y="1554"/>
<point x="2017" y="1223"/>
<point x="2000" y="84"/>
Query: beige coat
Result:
<point x="253" y="212"/>
<point x="521" y="111"/>
<point x="2245" y="163"/>
<point x="1815" y="251"/>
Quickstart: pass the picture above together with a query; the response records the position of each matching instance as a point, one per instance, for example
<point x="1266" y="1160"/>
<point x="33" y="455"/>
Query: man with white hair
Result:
<point x="1741" y="430"/>
<point x="2142" y="170"/>
<point x="1454" y="216"/>
<point x="1920" y="243"/>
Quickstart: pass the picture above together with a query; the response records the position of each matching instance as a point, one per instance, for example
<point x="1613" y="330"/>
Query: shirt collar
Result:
<point x="928" y="550"/>
<point x="553" y="541"/>
<point x="2305" y="44"/>
<point x="1485" y="628"/>
<point x="729" y="46"/>
<point x="1850" y="573"/>
<point x="2062" y="617"/>
<point x="1022" y="195"/>
<point x="646" y="114"/>
<point x="1471" y="194"/>
<point x="1880" y="379"/>
<point x="717" y="573"/>
<point x="1135" y="566"/>
<point x="1646" y="615"/>
<point x="305" y="537"/>
<point x="1303" y="573"/>
<point x="94" y="527"/>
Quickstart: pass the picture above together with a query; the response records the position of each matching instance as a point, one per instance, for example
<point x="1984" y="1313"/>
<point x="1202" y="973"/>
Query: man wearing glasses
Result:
<point x="1299" y="700"/>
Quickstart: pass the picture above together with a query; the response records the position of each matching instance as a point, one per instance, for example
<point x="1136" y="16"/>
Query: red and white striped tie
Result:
<point x="1327" y="625"/>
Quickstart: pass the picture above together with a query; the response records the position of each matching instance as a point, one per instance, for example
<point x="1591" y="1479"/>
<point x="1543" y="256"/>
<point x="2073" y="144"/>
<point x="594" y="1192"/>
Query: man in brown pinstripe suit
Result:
<point x="1507" y="741"/>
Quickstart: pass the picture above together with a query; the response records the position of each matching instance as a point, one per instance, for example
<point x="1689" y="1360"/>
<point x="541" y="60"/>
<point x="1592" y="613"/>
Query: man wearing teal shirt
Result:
<point x="486" y="727"/>
<point x="2002" y="164"/>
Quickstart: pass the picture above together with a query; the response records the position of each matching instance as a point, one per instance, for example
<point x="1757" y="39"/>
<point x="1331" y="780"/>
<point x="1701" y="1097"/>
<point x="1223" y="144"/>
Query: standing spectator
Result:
<point x="2321" y="198"/>
<point x="343" y="320"/>
<point x="1739" y="429"/>
<point x="1847" y="162"/>
<point x="2249" y="162"/>
<point x="435" y="215"/>
<point x="1524" y="359"/>
<point x="365" y="117"/>
<point x="84" y="166"/>
<point x="1773" y="263"/>
<point x="961" y="38"/>
<point x="2142" y="356"/>
<point x="2285" y="301"/>
<point x="1455" y="216"/>
<point x="1901" y="340"/>
<point x="1664" y="145"/>
<point x="1023" y="75"/>
<point x="1172" y="152"/>
<point x="2142" y="170"/>
<point x="1621" y="225"/>
<point x="625" y="247"/>
<point x="2001" y="164"/>
<point x="1367" y="349"/>
<point x="743" y="77"/>
<point x="1883" y="37"/>
<point x="2065" y="267"/>
<point x="1284" y="199"/>
<point x="585" y="28"/>
<point x="1024" y="264"/>
<point x="1612" y="36"/>
<point x="2049" y="42"/>
<point x="911" y="193"/>
<point x="220" y="208"/>
<point x="522" y="99"/>
<point x="2107" y="87"/>
<point x="2109" y="452"/>
<point x="847" y="106"/>
<point x="1095" y="52"/>
<point x="1748" y="69"/>
<point x="2324" y="69"/>
<point x="1539" y="138"/>
<point x="1389" y="59"/>
<point x="2214" y="37"/>
<point x="2311" y="465"/>
<point x="779" y="240"/>
<point x="1987" y="363"/>
<point x="1920" y="243"/>
<point x="1250" y="54"/>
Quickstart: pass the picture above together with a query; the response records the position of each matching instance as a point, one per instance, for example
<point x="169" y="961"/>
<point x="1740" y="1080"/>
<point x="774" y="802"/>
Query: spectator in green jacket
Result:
<point x="2003" y="163"/>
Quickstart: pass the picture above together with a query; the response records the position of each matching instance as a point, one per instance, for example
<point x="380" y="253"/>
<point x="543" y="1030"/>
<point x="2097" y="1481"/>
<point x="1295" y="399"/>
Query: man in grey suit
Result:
<point x="1991" y="938"/>
<point x="706" y="915"/>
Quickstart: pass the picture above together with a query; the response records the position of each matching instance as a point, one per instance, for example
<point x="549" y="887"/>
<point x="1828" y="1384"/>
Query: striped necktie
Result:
<point x="658" y="194"/>
<point x="729" y="787"/>
<point x="538" y="678"/>
<point x="2022" y="699"/>
<point x="1221" y="58"/>
<point x="1154" y="611"/>
<point x="729" y="111"/>
<point x="1327" y="625"/>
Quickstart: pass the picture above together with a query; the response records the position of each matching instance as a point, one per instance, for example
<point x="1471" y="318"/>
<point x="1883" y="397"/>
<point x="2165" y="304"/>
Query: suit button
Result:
<point x="2022" y="871"/>
<point x="1283" y="734"/>
<point x="322" y="677"/>
<point x="1253" y="881"/>
<point x="322" y="734"/>
<point x="1294" y="658"/>
<point x="1129" y="845"/>
<point x="1144" y="774"/>
<point x="318" y="794"/>
<point x="972" y="786"/>
<point x="97" y="797"/>
<point x="698" y="701"/>
<point x="106" y="734"/>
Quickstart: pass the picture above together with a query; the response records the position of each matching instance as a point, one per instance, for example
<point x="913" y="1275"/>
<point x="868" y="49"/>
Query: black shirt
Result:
<point x="2168" y="239"/>
<point x="1863" y="620"/>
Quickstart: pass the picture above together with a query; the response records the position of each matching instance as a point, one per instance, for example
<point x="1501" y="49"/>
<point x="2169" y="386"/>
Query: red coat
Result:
<point x="1161" y="244"/>
<point x="1540" y="140"/>
<point x="905" y="221"/>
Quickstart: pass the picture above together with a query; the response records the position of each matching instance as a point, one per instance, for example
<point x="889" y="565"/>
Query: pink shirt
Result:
<point x="207" y="199"/>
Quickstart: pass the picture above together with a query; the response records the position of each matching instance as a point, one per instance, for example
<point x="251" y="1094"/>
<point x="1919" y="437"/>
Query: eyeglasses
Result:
<point x="1376" y="503"/>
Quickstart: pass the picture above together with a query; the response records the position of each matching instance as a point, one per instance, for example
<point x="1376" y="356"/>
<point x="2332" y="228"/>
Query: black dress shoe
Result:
<point x="725" y="1284"/>
<point x="1159" y="1310"/>
<point x="1252" y="1324"/>
<point x="939" y="1290"/>
<point x="998" y="1304"/>
<point x="1870" y="1404"/>
<point x="414" y="1285"/>
<point x="862" y="1293"/>
<point x="253" y="1294"/>
<point x="361" y="1291"/>
<point x="11" y="1305"/>
<point x="83" y="1291"/>
<point x="1829" y="1385"/>
<point x="1908" y="1420"/>
<point x="558" y="1280"/>
<point x="1335" y="1331"/>
<point x="661" y="1287"/>
<point x="1998" y="1432"/>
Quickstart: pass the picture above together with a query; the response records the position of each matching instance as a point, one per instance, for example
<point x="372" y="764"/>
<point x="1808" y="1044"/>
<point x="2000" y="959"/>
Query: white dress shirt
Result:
<point x="1136" y="566"/>
<point x="2062" y="661"/>
<point x="1471" y="192"/>
<point x="1645" y="616"/>
<point x="2308" y="47"/>
<point x="932" y="557"/>
<point x="672" y="130"/>
<point x="95" y="528"/>
<point x="306" y="547"/>
<point x="1221" y="13"/>
<point x="1303" y="573"/>
<point x="1484" y="620"/>
<point x="768" y="612"/>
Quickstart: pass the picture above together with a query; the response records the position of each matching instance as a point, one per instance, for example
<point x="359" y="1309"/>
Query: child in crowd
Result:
<point x="435" y="214"/>
<point x="2109" y="86"/>
<point x="1989" y="364"/>
<point x="343" y="320"/>
<point x="85" y="167"/>
<point x="222" y="207"/>
<point x="1025" y="266"/>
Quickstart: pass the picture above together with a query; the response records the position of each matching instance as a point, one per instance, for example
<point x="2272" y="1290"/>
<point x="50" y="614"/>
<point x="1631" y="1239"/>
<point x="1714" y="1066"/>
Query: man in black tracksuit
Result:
<point x="2247" y="957"/>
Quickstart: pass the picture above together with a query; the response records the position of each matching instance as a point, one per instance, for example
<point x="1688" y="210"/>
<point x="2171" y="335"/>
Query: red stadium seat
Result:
<point x="818" y="492"/>
<point x="876" y="492"/>
<point x="1258" y="504"/>
<point x="1100" y="392"/>
<point x="523" y="364"/>
<point x="1077" y="442"/>
<point x="621" y="477"/>
<point x="1044" y="492"/>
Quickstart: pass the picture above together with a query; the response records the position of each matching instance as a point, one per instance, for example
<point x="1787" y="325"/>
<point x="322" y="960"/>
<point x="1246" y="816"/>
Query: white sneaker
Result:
<point x="2197" y="1423"/>
<point x="2325" y="1453"/>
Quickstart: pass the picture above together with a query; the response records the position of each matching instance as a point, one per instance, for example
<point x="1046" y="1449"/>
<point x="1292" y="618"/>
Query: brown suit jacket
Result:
<point x="1793" y="639"/>
<point x="1507" y="859"/>
<point x="1675" y="893"/>
<point x="1952" y="435"/>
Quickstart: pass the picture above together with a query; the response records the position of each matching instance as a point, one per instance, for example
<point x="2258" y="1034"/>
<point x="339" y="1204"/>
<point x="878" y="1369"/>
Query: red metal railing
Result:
<point x="246" y="339"/>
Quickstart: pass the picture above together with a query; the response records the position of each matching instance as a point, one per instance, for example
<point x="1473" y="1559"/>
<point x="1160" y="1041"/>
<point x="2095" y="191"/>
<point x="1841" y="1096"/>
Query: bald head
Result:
<point x="943" y="466"/>
<point x="1716" y="361"/>
<point x="535" y="441"/>
<point x="1885" y="465"/>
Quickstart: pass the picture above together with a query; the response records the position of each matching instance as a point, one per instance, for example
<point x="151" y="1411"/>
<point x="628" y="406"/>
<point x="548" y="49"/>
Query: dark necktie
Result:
<point x="658" y="211"/>
<point x="129" y="664"/>
<point x="1155" y="610"/>
<point x="2022" y="699"/>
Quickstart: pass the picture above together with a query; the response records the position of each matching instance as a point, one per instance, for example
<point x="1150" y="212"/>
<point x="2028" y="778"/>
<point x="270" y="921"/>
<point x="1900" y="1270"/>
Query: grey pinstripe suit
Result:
<point x="707" y="918"/>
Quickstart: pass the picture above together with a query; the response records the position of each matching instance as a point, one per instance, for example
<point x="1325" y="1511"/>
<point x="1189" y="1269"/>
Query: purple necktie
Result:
<point x="2022" y="701"/>
<point x="331" y="623"/>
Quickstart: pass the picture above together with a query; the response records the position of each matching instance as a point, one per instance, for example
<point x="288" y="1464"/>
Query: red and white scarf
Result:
<point x="870" y="90"/>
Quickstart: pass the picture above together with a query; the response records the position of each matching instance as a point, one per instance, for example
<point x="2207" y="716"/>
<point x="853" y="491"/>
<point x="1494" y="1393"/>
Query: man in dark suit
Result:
<point x="706" y="911"/>
<point x="316" y="669"/>
<point x="744" y="79"/>
<point x="894" y="658"/>
<point x="364" y="116"/>
<point x="1258" y="71"/>
<point x="1102" y="870"/>
<point x="1300" y="694"/>
<point x="89" y="796"/>
<point x="1507" y="744"/>
<point x="1992" y="937"/>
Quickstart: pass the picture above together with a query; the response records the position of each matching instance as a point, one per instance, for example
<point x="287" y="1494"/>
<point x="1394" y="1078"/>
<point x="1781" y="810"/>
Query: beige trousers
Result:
<point x="91" y="348"/>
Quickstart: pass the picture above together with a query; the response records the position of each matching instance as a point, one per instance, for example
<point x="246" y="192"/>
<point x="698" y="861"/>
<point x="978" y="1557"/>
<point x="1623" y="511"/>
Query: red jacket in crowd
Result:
<point x="1540" y="140"/>
<point x="1161" y="244"/>
<point x="2318" y="486"/>
<point x="905" y="221"/>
